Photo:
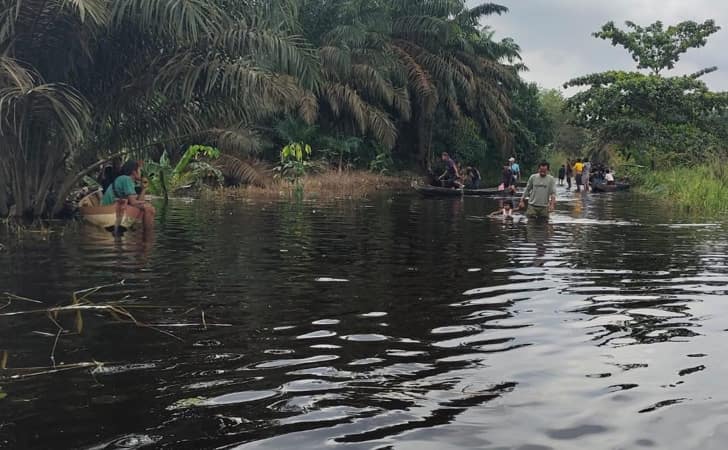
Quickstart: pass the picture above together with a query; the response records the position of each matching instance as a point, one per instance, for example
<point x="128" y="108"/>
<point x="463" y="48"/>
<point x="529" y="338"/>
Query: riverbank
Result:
<point x="696" y="190"/>
<point x="330" y="185"/>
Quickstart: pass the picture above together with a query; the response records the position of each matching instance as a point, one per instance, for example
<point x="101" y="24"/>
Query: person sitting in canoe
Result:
<point x="609" y="177"/>
<point x="472" y="178"/>
<point x="122" y="192"/>
<point x="451" y="176"/>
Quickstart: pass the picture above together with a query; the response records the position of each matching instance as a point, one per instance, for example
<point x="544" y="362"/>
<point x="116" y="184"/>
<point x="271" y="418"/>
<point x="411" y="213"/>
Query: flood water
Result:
<point x="396" y="322"/>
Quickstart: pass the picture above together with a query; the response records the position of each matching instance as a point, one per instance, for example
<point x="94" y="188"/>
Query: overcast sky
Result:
<point x="556" y="42"/>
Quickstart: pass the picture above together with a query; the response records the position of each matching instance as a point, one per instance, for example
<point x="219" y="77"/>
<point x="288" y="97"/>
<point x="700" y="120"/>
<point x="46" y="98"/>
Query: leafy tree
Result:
<point x="648" y="114"/>
<point x="656" y="48"/>
<point x="533" y="128"/>
<point x="566" y="136"/>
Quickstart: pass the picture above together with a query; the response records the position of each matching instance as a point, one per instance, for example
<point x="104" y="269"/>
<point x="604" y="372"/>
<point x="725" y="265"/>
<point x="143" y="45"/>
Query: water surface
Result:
<point x="396" y="322"/>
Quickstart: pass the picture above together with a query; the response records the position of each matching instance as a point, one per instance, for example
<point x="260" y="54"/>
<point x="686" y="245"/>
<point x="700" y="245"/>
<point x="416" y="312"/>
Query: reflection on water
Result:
<point x="394" y="323"/>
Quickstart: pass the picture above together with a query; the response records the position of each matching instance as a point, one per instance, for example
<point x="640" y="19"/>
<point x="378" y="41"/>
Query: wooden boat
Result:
<point x="102" y="216"/>
<point x="435" y="191"/>
<point x="604" y="187"/>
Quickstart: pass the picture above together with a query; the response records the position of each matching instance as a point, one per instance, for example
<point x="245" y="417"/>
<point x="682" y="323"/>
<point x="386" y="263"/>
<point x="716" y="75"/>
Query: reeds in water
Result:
<point x="699" y="190"/>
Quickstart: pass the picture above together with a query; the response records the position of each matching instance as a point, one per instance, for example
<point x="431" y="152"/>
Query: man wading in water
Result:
<point x="541" y="193"/>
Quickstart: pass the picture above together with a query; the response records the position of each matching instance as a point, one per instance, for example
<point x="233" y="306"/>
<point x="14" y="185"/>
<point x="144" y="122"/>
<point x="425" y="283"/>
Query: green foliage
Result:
<point x="467" y="144"/>
<point x="656" y="48"/>
<point x="670" y="119"/>
<point x="383" y="162"/>
<point x="189" y="171"/>
<point x="566" y="136"/>
<point x="361" y="80"/>
<point x="294" y="161"/>
<point x="699" y="189"/>
<point x="532" y="126"/>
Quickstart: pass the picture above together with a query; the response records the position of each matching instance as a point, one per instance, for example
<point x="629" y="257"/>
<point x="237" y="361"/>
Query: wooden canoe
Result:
<point x="603" y="187"/>
<point x="435" y="191"/>
<point x="102" y="216"/>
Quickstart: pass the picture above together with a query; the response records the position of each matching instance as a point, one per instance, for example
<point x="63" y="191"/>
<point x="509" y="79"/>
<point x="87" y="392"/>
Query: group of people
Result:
<point x="538" y="200"/>
<point x="510" y="175"/>
<point x="539" y="197"/>
<point x="455" y="176"/>
<point x="124" y="187"/>
<point x="584" y="174"/>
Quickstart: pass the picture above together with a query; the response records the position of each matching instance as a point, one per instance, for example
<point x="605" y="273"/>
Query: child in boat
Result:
<point x="609" y="177"/>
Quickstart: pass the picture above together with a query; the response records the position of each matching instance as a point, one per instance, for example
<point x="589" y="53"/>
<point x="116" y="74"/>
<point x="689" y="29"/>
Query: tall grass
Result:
<point x="700" y="190"/>
<point x="329" y="185"/>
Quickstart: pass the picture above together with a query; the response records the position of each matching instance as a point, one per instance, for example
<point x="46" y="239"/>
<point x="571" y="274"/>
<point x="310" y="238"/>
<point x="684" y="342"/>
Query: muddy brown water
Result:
<point x="395" y="322"/>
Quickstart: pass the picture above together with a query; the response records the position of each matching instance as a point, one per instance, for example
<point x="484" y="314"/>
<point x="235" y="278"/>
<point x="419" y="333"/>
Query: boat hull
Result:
<point x="435" y="191"/>
<point x="103" y="216"/>
<point x="602" y="187"/>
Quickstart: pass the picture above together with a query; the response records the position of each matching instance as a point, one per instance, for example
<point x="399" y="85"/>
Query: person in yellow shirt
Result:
<point x="578" y="169"/>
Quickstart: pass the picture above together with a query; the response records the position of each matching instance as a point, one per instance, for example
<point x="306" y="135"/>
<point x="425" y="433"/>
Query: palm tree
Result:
<point x="454" y="64"/>
<point x="388" y="66"/>
<point x="88" y="78"/>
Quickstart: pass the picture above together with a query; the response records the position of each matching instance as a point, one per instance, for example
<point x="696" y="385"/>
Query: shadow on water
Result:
<point x="398" y="322"/>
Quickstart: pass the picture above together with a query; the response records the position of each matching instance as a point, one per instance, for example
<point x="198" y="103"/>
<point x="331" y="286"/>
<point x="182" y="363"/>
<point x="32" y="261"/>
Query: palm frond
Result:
<point x="235" y="141"/>
<point x="55" y="107"/>
<point x="372" y="83"/>
<point x="335" y="61"/>
<point x="402" y="103"/>
<point x="308" y="108"/>
<point x="95" y="11"/>
<point x="381" y="127"/>
<point x="342" y="99"/>
<point x="284" y="53"/>
<point x="418" y="79"/>
<point x="12" y="73"/>
<point x="181" y="20"/>
<point x="419" y="27"/>
<point x="239" y="171"/>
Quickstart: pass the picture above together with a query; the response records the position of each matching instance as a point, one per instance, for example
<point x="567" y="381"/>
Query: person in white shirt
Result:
<point x="609" y="177"/>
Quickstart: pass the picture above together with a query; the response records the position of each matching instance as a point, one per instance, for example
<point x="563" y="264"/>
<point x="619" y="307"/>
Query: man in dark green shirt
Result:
<point x="540" y="192"/>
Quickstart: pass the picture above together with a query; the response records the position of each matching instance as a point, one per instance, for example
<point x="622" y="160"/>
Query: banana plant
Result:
<point x="189" y="170"/>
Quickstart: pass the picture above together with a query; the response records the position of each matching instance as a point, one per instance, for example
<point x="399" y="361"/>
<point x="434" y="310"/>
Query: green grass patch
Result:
<point x="696" y="190"/>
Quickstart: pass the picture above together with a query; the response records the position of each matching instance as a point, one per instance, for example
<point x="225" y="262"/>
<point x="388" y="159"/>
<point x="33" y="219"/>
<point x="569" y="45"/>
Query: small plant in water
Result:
<point x="294" y="164"/>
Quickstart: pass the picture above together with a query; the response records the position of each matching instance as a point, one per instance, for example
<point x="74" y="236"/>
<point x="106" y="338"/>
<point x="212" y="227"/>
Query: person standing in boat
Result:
<point x="540" y="192"/>
<point x="515" y="170"/>
<point x="451" y="175"/>
<point x="122" y="193"/>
